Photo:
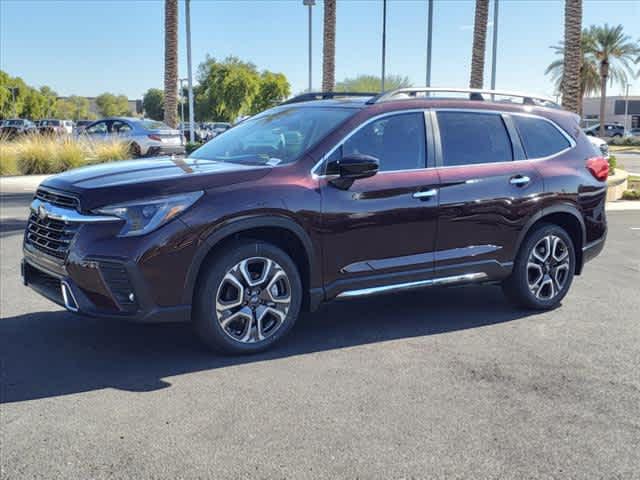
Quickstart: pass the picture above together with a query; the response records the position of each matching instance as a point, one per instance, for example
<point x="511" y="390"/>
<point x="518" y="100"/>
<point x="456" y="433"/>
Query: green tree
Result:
<point x="110" y="105"/>
<point x="273" y="89"/>
<point x="614" y="51"/>
<point x="73" y="107"/>
<point x="226" y="89"/>
<point x="589" y="75"/>
<point x="153" y="103"/>
<point x="372" y="83"/>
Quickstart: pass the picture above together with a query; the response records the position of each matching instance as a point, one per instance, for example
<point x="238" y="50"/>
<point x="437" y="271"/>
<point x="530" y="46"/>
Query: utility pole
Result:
<point x="384" y="41"/>
<point x="309" y="4"/>
<point x="429" y="40"/>
<point x="181" y="100"/>
<point x="189" y="72"/>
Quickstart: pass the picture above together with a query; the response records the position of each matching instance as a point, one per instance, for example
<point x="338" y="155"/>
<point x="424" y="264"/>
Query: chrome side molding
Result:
<point x="399" y="287"/>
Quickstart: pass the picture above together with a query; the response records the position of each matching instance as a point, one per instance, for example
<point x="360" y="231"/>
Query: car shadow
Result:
<point x="47" y="354"/>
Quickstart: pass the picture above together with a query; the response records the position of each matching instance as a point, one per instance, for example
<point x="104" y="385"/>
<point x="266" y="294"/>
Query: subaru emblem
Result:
<point x="42" y="212"/>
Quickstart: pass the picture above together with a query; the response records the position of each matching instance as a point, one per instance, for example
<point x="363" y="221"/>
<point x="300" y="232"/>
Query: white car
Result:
<point x="601" y="145"/>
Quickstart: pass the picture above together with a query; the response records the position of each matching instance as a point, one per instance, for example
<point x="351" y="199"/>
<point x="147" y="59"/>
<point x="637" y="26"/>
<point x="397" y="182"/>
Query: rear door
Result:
<point x="488" y="192"/>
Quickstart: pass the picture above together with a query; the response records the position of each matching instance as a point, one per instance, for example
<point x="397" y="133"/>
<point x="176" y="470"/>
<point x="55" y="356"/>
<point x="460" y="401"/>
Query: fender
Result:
<point x="556" y="208"/>
<point x="238" y="225"/>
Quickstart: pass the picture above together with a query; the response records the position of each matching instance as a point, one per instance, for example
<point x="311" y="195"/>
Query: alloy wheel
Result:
<point x="548" y="267"/>
<point x="253" y="300"/>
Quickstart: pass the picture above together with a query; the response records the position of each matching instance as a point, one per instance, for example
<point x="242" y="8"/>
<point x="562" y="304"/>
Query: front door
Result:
<point x="381" y="230"/>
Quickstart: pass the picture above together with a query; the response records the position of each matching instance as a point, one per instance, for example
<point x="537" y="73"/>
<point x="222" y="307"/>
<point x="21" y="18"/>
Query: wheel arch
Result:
<point x="566" y="216"/>
<point x="279" y="231"/>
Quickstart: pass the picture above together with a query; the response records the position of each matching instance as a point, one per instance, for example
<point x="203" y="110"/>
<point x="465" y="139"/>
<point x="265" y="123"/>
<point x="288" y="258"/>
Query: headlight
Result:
<point x="144" y="216"/>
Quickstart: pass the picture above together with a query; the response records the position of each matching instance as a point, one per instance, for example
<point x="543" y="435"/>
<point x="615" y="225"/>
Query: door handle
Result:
<point x="426" y="194"/>
<point x="519" y="180"/>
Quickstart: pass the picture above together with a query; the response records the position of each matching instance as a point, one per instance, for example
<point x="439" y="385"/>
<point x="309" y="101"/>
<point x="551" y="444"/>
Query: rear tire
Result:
<point x="134" y="149"/>
<point x="543" y="269"/>
<point x="247" y="299"/>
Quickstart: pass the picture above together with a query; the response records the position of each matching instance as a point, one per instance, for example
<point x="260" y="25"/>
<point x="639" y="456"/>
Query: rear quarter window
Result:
<point x="539" y="137"/>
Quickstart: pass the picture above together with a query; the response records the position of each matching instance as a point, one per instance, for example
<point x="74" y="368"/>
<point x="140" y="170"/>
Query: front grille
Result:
<point x="117" y="279"/>
<point x="58" y="199"/>
<point x="50" y="236"/>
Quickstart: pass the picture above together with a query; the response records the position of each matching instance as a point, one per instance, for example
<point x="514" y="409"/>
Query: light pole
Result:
<point x="189" y="73"/>
<point x="181" y="88"/>
<point x="310" y="4"/>
<point x="384" y="42"/>
<point x="429" y="39"/>
<point x="626" y="108"/>
<point x="494" y="44"/>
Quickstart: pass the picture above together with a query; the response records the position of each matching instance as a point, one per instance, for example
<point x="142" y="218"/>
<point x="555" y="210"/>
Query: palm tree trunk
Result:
<point x="479" y="43"/>
<point x="171" y="63"/>
<point x="572" y="55"/>
<point x="329" y="47"/>
<point x="604" y="74"/>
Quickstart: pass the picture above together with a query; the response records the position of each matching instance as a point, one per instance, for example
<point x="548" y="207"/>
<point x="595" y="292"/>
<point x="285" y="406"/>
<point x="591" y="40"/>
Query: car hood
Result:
<point x="117" y="182"/>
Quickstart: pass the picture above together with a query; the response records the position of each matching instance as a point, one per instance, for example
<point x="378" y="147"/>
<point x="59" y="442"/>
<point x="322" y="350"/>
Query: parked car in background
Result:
<point x="55" y="127"/>
<point x="199" y="135"/>
<point x="80" y="125"/>
<point x="610" y="130"/>
<point x="14" y="127"/>
<point x="147" y="137"/>
<point x="600" y="145"/>
<point x="634" y="132"/>
<point x="220" y="127"/>
<point x="312" y="201"/>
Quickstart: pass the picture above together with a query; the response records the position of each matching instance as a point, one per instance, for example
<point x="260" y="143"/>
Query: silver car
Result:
<point x="147" y="137"/>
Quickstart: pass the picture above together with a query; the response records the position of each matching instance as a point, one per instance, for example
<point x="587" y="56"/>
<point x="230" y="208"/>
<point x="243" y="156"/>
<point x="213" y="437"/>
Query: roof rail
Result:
<point x="310" y="96"/>
<point x="474" y="94"/>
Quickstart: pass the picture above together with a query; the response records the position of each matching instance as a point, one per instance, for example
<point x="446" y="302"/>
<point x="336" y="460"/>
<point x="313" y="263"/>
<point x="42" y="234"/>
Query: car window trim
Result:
<point x="572" y="142"/>
<point x="315" y="170"/>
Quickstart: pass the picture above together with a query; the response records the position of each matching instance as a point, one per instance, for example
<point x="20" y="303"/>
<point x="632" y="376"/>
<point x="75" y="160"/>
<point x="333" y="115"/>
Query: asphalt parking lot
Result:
<point x="433" y="384"/>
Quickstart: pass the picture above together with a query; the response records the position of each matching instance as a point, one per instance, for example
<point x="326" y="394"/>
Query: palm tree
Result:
<point x="479" y="43"/>
<point x="171" y="62"/>
<point x="329" y="47"/>
<point x="589" y="74"/>
<point x="614" y="51"/>
<point x="570" y="86"/>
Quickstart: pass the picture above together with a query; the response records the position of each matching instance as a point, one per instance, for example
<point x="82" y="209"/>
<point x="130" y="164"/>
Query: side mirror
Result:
<point x="354" y="167"/>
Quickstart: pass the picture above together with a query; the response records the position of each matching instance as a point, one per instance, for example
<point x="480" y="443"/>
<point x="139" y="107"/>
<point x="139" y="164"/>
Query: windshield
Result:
<point x="14" y="122"/>
<point x="277" y="136"/>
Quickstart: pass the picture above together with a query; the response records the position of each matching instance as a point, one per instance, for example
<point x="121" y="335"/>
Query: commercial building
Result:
<point x="614" y="111"/>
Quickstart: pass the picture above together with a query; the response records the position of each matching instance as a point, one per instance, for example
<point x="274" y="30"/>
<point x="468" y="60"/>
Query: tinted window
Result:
<point x="397" y="141"/>
<point x="539" y="137"/>
<point x="100" y="127"/>
<point x="469" y="138"/>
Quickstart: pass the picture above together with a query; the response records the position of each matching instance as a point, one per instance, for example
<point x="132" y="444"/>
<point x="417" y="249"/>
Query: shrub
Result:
<point x="191" y="146"/>
<point x="631" y="195"/>
<point x="8" y="158"/>
<point x="37" y="155"/>
<point x="107" y="151"/>
<point x="69" y="154"/>
<point x="624" y="141"/>
<point x="613" y="163"/>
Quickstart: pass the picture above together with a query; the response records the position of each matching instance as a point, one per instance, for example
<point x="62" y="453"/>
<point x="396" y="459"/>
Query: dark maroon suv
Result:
<point x="316" y="200"/>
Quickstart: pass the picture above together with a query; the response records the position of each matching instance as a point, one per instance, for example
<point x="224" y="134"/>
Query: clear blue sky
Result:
<point x="86" y="47"/>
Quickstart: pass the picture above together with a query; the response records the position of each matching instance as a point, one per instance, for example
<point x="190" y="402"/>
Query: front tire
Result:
<point x="248" y="298"/>
<point x="543" y="270"/>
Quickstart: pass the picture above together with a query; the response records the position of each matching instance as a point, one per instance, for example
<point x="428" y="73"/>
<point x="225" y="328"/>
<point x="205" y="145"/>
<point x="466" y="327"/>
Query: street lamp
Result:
<point x="429" y="40"/>
<point x="189" y="72"/>
<point x="181" y="87"/>
<point x="384" y="41"/>
<point x="626" y="108"/>
<point x="310" y="4"/>
<point x="494" y="45"/>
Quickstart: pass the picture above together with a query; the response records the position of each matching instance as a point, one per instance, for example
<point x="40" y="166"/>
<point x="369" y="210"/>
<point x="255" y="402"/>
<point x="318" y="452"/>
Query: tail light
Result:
<point x="157" y="138"/>
<point x="598" y="167"/>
